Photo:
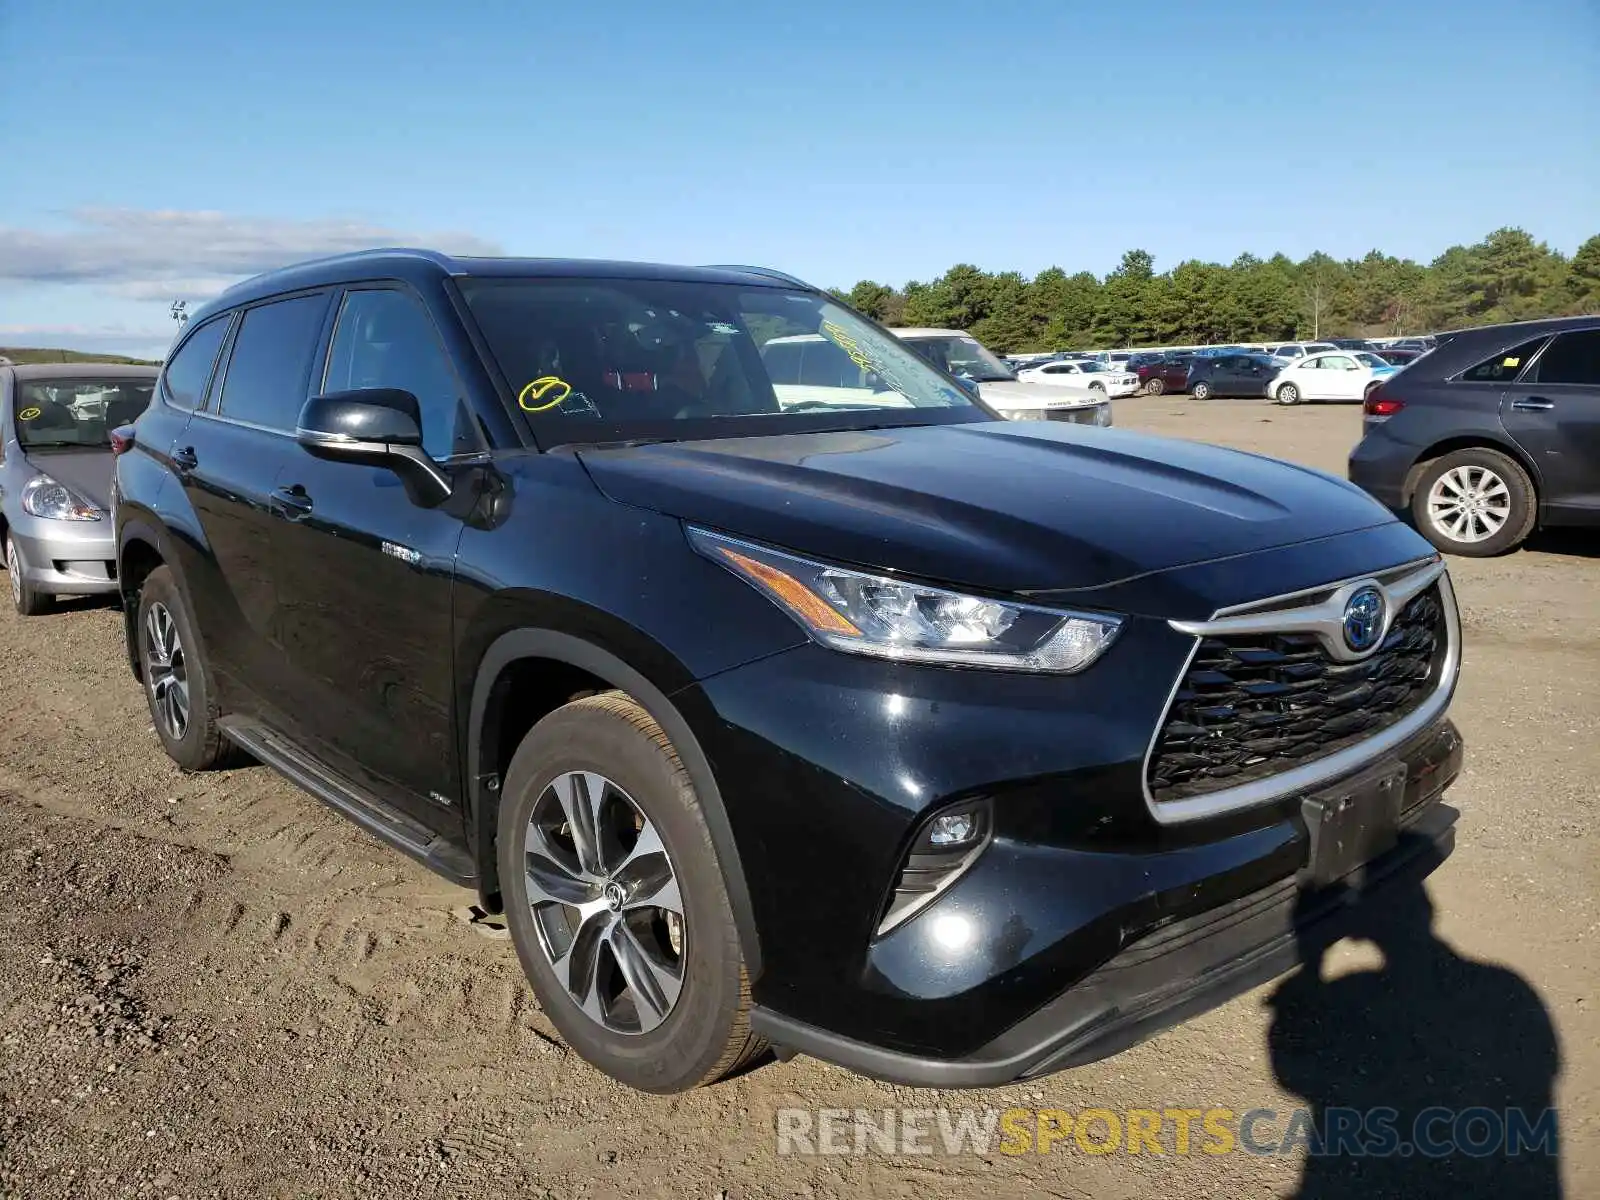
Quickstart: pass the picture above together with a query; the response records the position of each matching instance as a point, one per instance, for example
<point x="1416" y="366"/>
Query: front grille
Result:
<point x="1251" y="705"/>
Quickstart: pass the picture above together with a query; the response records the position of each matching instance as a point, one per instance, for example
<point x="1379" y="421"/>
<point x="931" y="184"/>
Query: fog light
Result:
<point x="953" y="829"/>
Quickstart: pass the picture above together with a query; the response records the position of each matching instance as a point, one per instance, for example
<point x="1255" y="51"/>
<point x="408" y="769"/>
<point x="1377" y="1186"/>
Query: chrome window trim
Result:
<point x="1400" y="586"/>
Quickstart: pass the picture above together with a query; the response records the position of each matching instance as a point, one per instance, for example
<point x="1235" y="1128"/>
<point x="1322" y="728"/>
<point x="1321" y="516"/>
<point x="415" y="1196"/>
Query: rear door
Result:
<point x="228" y="459"/>
<point x="365" y="572"/>
<point x="1553" y="412"/>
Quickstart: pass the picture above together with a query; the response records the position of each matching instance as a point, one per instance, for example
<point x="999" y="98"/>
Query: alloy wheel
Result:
<point x="167" y="670"/>
<point x="605" y="901"/>
<point x="14" y="569"/>
<point x="1469" y="503"/>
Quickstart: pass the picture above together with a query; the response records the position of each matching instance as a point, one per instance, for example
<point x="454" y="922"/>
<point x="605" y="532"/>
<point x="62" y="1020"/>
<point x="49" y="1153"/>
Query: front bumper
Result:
<point x="1179" y="969"/>
<point x="77" y="559"/>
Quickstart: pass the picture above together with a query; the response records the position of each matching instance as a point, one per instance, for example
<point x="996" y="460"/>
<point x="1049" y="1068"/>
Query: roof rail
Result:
<point x="780" y="276"/>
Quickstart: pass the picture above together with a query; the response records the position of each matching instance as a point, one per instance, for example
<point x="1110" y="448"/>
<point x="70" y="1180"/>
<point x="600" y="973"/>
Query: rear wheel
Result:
<point x="176" y="684"/>
<point x="1154" y="387"/>
<point x="1288" y="393"/>
<point x="615" y="900"/>
<point x="1475" y="502"/>
<point x="28" y="601"/>
<point x="1201" y="390"/>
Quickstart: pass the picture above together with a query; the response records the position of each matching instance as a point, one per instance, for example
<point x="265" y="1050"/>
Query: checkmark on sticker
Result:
<point x="28" y="414"/>
<point x="543" y="393"/>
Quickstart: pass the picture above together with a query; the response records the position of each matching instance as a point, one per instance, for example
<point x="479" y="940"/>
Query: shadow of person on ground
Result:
<point x="1428" y="1036"/>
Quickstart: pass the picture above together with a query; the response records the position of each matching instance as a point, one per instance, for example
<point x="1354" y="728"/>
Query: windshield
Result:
<point x="1370" y="360"/>
<point x="1093" y="367"/>
<point x="961" y="356"/>
<point x="627" y="359"/>
<point x="81" y="412"/>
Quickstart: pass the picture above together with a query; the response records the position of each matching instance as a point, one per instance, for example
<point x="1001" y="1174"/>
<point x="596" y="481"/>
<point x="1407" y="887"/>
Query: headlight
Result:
<point x="890" y="618"/>
<point x="44" y="497"/>
<point x="1019" y="414"/>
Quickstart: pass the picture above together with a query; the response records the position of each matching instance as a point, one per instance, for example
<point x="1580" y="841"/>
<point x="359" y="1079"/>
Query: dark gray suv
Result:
<point x="1492" y="434"/>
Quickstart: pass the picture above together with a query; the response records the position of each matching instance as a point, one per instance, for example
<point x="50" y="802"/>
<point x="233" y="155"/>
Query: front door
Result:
<point x="1553" y="412"/>
<point x="365" y="574"/>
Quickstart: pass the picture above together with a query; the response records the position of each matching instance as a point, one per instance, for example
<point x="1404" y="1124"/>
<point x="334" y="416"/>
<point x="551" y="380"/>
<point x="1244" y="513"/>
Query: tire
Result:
<point x="1504" y="513"/>
<point x="644" y="1036"/>
<point x="27" y="601"/>
<point x="175" y="678"/>
<point x="1201" y="391"/>
<point x="1154" y="387"/>
<point x="1287" y="393"/>
<point x="1098" y="387"/>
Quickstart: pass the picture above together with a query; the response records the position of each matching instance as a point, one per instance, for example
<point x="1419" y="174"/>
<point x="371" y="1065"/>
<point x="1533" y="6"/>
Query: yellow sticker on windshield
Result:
<point x="1510" y="362"/>
<point x="27" y="414"/>
<point x="543" y="394"/>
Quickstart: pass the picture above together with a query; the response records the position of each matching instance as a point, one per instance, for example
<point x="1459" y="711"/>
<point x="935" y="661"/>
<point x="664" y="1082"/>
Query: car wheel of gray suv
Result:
<point x="28" y="602"/>
<point x="176" y="685"/>
<point x="615" y="900"/>
<point x="1201" y="391"/>
<point x="1475" y="502"/>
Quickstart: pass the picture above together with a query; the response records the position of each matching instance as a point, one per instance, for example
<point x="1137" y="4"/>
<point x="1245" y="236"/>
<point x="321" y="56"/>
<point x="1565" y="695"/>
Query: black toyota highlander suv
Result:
<point x="842" y="719"/>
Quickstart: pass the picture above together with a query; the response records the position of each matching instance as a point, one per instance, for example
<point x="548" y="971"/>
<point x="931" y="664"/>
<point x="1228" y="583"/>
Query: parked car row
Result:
<point x="738" y="655"/>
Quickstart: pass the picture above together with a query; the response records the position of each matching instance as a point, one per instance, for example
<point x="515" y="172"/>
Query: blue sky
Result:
<point x="158" y="151"/>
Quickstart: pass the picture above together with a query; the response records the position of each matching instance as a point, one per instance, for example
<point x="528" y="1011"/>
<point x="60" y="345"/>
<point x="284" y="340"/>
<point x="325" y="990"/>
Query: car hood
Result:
<point x="1016" y="394"/>
<point x="999" y="506"/>
<point x="86" y="472"/>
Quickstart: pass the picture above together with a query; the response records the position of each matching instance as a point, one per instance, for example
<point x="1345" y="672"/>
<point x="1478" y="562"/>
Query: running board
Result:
<point x="378" y="818"/>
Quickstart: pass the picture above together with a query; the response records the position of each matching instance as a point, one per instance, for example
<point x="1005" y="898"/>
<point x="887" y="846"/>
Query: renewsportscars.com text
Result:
<point x="1377" y="1132"/>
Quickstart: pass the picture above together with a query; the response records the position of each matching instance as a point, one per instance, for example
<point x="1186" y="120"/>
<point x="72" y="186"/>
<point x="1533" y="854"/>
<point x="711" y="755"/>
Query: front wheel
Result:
<point x="1201" y="391"/>
<point x="1475" y="502"/>
<point x="1288" y="393"/>
<point x="29" y="601"/>
<point x="1154" y="387"/>
<point x="615" y="899"/>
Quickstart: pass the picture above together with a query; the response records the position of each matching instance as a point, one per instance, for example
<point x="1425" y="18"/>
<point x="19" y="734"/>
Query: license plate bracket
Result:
<point x="1351" y="824"/>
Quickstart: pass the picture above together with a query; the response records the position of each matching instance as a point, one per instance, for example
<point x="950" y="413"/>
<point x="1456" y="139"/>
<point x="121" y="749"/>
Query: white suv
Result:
<point x="963" y="356"/>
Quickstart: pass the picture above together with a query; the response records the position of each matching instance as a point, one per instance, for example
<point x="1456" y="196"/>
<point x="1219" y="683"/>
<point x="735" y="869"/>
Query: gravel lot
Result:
<point x="211" y="986"/>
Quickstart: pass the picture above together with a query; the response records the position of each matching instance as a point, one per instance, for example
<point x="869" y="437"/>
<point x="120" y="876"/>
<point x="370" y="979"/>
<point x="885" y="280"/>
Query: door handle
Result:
<point x="1533" y="404"/>
<point x="291" y="502"/>
<point x="184" y="460"/>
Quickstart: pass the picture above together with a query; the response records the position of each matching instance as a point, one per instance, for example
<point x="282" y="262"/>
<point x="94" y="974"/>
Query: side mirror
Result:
<point x="970" y="385"/>
<point x="376" y="426"/>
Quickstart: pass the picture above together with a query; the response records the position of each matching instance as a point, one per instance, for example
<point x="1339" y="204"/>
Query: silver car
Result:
<point x="55" y="475"/>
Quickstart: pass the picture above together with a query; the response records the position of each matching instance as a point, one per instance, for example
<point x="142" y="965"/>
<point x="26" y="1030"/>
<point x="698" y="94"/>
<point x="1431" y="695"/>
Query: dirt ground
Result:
<point x="211" y="986"/>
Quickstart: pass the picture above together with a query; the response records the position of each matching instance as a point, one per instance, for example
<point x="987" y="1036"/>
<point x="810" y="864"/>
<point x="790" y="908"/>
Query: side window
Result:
<point x="1504" y="366"/>
<point x="385" y="339"/>
<point x="184" y="380"/>
<point x="1571" y="358"/>
<point x="267" y="373"/>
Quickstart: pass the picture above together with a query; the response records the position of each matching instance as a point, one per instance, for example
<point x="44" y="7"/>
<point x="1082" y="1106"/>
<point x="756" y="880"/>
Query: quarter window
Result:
<point x="1571" y="358"/>
<point x="269" y="368"/>
<point x="385" y="339"/>
<point x="1504" y="366"/>
<point x="184" y="381"/>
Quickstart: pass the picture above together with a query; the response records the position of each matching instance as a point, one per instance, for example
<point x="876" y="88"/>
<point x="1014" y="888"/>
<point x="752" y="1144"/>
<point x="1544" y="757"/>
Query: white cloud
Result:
<point x="147" y="255"/>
